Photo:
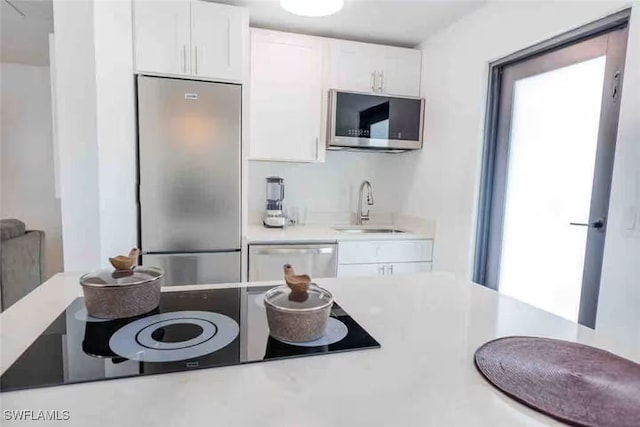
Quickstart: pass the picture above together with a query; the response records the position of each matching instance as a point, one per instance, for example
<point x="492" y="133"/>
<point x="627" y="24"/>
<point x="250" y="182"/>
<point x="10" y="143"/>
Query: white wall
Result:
<point x="619" y="302"/>
<point x="95" y="107"/>
<point x="443" y="179"/>
<point x="113" y="33"/>
<point x="330" y="187"/>
<point x="76" y="112"/>
<point x="27" y="190"/>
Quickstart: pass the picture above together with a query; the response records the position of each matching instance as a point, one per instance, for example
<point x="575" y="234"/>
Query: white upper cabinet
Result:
<point x="400" y="71"/>
<point x="353" y="66"/>
<point x="363" y="67"/>
<point x="286" y="99"/>
<point x="190" y="38"/>
<point x="218" y="40"/>
<point x="162" y="36"/>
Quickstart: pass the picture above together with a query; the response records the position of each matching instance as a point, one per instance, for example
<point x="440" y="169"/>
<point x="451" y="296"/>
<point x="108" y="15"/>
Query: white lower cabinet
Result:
<point x="359" y="270"/>
<point x="362" y="270"/>
<point x="408" y="267"/>
<point x="384" y="258"/>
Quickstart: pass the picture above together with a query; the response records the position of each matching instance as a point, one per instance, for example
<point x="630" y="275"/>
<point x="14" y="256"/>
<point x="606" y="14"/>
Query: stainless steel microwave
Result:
<point x="374" y="121"/>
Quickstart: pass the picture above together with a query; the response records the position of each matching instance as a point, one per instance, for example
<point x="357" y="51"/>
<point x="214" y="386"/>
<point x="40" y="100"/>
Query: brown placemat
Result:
<point x="571" y="382"/>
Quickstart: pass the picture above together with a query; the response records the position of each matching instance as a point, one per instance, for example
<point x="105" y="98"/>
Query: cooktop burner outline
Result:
<point x="144" y="337"/>
<point x="84" y="316"/>
<point x="134" y="341"/>
<point x="336" y="332"/>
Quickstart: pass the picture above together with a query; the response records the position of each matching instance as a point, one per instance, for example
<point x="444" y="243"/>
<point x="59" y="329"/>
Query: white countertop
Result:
<point x="257" y="233"/>
<point x="429" y="326"/>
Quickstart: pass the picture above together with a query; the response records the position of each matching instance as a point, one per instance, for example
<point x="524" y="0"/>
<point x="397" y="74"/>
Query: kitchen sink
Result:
<point x="367" y="230"/>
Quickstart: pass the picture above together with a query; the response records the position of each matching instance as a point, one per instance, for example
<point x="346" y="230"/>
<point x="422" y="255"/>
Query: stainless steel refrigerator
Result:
<point x="189" y="145"/>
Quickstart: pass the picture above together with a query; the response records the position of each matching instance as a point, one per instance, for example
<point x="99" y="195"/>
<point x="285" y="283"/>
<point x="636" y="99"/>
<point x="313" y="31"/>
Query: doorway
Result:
<point x="547" y="171"/>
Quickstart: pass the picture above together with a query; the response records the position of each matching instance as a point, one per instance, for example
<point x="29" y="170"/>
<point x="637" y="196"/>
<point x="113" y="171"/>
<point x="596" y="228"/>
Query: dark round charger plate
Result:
<point x="574" y="383"/>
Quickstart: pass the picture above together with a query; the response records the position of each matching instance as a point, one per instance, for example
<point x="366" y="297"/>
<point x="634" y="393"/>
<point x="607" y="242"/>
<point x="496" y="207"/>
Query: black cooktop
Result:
<point x="189" y="330"/>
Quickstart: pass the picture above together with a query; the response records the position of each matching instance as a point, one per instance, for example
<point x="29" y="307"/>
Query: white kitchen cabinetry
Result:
<point x="363" y="67"/>
<point x="401" y="72"/>
<point x="353" y="66"/>
<point x="190" y="38"/>
<point x="407" y="267"/>
<point x="286" y="100"/>
<point x="384" y="258"/>
<point x="162" y="36"/>
<point x="362" y="270"/>
<point x="218" y="38"/>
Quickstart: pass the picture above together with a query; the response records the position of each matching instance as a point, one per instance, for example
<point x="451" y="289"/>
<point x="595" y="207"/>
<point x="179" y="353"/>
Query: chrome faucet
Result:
<point x="361" y="216"/>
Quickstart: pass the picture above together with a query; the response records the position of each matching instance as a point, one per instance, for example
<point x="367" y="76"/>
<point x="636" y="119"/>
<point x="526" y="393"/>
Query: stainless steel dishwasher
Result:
<point x="317" y="260"/>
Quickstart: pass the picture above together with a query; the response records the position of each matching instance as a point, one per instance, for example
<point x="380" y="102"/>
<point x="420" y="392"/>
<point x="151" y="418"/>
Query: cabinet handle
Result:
<point x="196" y="61"/>
<point x="373" y="81"/>
<point x="381" y="270"/>
<point x="391" y="269"/>
<point x="381" y="86"/>
<point x="184" y="58"/>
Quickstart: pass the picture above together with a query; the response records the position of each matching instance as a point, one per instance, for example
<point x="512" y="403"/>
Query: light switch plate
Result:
<point x="629" y="220"/>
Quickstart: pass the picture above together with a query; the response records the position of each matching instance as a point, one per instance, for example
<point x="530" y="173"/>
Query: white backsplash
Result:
<point x="329" y="191"/>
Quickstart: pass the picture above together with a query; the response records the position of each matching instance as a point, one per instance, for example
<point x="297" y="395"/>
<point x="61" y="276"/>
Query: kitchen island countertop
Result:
<point x="429" y="326"/>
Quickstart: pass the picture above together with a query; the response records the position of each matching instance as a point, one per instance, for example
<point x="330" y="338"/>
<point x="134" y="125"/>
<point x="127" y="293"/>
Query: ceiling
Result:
<point x="394" y="22"/>
<point x="24" y="31"/>
<point x="24" y="39"/>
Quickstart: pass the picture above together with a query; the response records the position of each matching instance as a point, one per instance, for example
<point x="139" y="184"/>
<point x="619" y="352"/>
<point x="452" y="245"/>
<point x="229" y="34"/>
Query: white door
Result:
<point x="400" y="72"/>
<point x="407" y="268"/>
<point x="162" y="36"/>
<point x="286" y="97"/>
<point x="361" y="270"/>
<point x="353" y="66"/>
<point x="217" y="40"/>
<point x="546" y="221"/>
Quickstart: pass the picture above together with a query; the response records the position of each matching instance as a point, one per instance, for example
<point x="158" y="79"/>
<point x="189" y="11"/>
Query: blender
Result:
<point x="274" y="215"/>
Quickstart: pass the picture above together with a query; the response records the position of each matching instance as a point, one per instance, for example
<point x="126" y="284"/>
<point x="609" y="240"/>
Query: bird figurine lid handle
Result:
<point x="125" y="262"/>
<point x="298" y="283"/>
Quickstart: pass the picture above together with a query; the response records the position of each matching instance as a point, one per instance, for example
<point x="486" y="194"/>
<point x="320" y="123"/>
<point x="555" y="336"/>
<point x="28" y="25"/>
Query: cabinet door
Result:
<point x="218" y="40"/>
<point x="162" y="36"/>
<point x="400" y="72"/>
<point x="361" y="270"/>
<point x="407" y="268"/>
<point x="353" y="66"/>
<point x="286" y="97"/>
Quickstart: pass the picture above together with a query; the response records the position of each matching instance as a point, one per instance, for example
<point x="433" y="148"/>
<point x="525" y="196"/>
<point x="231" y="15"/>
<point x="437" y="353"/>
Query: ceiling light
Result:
<point x="312" y="7"/>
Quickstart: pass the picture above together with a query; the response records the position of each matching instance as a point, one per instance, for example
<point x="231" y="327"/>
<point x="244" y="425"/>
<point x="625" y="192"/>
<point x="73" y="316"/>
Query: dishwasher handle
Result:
<point x="302" y="251"/>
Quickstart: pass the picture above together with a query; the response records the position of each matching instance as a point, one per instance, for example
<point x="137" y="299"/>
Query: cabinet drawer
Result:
<point x="385" y="251"/>
<point x="407" y="268"/>
<point x="360" y="270"/>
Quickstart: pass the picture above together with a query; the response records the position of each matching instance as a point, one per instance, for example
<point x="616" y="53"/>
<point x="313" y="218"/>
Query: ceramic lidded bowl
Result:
<point x="115" y="294"/>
